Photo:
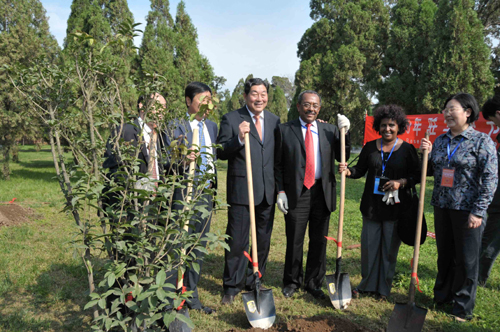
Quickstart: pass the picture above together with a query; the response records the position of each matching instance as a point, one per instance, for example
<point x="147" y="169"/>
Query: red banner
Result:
<point x="434" y="123"/>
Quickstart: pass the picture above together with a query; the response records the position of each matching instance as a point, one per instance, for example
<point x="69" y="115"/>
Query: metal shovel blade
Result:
<point x="266" y="315"/>
<point x="178" y="325"/>
<point x="407" y="317"/>
<point x="339" y="290"/>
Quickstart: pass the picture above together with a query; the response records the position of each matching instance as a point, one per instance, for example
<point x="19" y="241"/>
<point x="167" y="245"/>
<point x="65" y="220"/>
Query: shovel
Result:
<point x="259" y="304"/>
<point x="338" y="284"/>
<point x="178" y="325"/>
<point x="408" y="316"/>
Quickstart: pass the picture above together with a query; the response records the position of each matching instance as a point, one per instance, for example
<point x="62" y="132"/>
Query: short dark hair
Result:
<point x="466" y="101"/>
<point x="194" y="88"/>
<point x="140" y="100"/>
<point x="255" y="81"/>
<point x="393" y="112"/>
<point x="491" y="106"/>
<point x="299" y="99"/>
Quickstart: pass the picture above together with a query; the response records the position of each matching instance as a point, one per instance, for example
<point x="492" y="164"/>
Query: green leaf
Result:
<point x="111" y="279"/>
<point x="185" y="319"/>
<point x="169" y="317"/>
<point x="102" y="303"/>
<point x="161" y="277"/>
<point x="90" y="304"/>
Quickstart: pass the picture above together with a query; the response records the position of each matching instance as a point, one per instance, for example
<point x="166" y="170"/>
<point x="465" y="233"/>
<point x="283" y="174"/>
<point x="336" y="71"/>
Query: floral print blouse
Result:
<point x="476" y="171"/>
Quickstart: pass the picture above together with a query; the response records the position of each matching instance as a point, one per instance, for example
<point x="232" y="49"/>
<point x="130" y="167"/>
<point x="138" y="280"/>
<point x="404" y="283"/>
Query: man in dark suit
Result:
<point x="207" y="136"/>
<point x="261" y="125"/>
<point x="138" y="132"/>
<point x="306" y="150"/>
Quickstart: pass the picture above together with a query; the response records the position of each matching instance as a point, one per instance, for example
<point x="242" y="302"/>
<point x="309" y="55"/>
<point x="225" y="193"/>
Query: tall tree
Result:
<point x="157" y="50"/>
<point x="101" y="19"/>
<point x="279" y="104"/>
<point x="24" y="36"/>
<point x="287" y="86"/>
<point x="407" y="56"/>
<point x="192" y="66"/>
<point x="461" y="59"/>
<point x="341" y="56"/>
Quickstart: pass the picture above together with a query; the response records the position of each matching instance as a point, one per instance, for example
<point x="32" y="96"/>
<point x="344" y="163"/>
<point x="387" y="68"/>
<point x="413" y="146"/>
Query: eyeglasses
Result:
<point x="311" y="106"/>
<point x="452" y="110"/>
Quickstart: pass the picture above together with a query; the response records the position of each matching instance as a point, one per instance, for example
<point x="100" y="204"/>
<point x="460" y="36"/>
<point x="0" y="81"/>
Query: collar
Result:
<point x="144" y="126"/>
<point x="313" y="124"/>
<point x="467" y="133"/>
<point x="261" y="116"/>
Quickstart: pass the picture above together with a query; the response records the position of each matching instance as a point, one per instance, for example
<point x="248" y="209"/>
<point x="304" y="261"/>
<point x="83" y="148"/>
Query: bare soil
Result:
<point x="13" y="214"/>
<point x="322" y="323"/>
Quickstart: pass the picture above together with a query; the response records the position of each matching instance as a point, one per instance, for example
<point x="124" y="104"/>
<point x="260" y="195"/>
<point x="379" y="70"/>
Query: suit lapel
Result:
<point x="322" y="141"/>
<point x="268" y="128"/>
<point x="297" y="130"/>
<point x="246" y="117"/>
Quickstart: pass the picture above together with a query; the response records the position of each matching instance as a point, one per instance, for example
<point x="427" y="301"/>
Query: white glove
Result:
<point x="388" y="198"/>
<point x="395" y="194"/>
<point x="283" y="203"/>
<point x="343" y="121"/>
<point x="391" y="197"/>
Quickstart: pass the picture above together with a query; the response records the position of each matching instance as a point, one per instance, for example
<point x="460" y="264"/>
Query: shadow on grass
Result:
<point x="38" y="164"/>
<point x="59" y="293"/>
<point x="26" y="174"/>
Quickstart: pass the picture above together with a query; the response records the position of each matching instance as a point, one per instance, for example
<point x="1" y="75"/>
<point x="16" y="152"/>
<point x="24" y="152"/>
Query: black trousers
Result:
<point x="237" y="268"/>
<point x="311" y="208"/>
<point x="458" y="260"/>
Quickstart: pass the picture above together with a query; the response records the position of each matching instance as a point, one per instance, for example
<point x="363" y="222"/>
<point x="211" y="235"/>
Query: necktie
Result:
<point x="258" y="126"/>
<point x="310" y="171"/>
<point x="203" y="148"/>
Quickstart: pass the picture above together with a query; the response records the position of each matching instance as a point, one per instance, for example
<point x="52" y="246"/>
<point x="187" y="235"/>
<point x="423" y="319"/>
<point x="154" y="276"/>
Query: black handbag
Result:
<point x="407" y="223"/>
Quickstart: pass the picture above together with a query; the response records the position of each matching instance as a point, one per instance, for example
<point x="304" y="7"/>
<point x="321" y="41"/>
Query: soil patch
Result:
<point x="13" y="214"/>
<point x="320" y="323"/>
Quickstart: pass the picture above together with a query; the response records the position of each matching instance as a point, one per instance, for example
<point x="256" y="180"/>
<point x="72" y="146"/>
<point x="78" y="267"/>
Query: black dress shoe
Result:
<point x="288" y="291"/>
<point x="227" y="299"/>
<point x="317" y="293"/>
<point x="205" y="310"/>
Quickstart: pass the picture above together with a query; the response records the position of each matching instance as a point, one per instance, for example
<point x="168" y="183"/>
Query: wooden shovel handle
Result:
<point x="189" y="192"/>
<point x="418" y="232"/>
<point x="342" y="193"/>
<point x="251" y="204"/>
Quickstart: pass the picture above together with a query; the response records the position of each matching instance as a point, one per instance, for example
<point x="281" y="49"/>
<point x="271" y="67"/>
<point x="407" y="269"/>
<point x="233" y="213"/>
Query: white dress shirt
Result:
<point x="146" y="135"/>
<point x="317" y="154"/>
<point x="261" y="118"/>
<point x="208" y="144"/>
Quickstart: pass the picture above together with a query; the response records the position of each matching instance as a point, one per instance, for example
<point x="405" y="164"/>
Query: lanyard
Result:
<point x="455" y="150"/>
<point x="382" y="155"/>
<point x="312" y="131"/>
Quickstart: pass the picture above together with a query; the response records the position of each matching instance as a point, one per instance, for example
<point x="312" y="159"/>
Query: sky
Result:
<point x="238" y="37"/>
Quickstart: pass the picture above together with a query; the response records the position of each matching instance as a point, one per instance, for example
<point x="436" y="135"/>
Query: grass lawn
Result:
<point x="43" y="288"/>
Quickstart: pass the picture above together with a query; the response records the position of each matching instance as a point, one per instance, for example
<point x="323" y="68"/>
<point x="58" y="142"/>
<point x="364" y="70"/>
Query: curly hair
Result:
<point x="393" y="112"/>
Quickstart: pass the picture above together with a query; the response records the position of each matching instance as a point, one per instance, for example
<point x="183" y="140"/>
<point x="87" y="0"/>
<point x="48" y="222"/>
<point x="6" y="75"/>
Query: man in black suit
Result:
<point x="207" y="136"/>
<point x="261" y="125"/>
<point x="306" y="150"/>
<point x="138" y="132"/>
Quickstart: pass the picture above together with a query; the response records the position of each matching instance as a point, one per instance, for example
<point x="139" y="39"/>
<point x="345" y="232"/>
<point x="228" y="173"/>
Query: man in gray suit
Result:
<point x="261" y="124"/>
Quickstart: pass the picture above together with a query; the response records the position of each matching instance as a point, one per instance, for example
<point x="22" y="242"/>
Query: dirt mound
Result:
<point x="317" y="324"/>
<point x="13" y="214"/>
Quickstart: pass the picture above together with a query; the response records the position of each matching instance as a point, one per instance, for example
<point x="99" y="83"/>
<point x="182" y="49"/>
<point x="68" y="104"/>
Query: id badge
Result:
<point x="376" y="185"/>
<point x="447" y="177"/>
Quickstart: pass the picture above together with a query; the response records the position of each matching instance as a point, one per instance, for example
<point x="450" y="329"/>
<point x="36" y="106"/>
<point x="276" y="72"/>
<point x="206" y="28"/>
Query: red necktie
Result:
<point x="310" y="170"/>
<point x="258" y="126"/>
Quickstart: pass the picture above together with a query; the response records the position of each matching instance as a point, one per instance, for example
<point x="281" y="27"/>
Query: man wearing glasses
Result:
<point x="305" y="154"/>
